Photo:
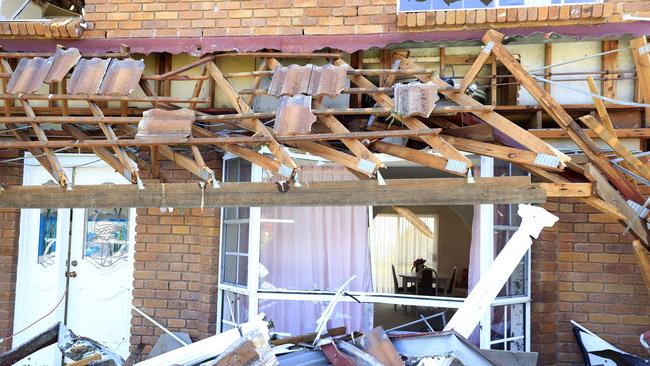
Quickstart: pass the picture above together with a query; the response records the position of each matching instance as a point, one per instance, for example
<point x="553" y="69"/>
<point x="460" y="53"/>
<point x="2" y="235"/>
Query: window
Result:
<point x="47" y="236"/>
<point x="428" y="5"/>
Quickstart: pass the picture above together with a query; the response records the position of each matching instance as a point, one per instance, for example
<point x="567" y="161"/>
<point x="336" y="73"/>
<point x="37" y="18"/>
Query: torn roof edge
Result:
<point x="348" y="43"/>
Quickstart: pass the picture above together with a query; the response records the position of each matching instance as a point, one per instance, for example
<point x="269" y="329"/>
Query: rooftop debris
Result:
<point x="294" y="116"/>
<point x="311" y="80"/>
<point x="163" y="123"/>
<point x="415" y="99"/>
<point x="29" y="75"/>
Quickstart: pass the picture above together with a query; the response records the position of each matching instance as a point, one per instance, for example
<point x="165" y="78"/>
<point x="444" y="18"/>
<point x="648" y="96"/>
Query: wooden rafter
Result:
<point x="564" y="120"/>
<point x="492" y="118"/>
<point x="438" y="144"/>
<point x="406" y="192"/>
<point x="254" y="125"/>
<point x="416" y="156"/>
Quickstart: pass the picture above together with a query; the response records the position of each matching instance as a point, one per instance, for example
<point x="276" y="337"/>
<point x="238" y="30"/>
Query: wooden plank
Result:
<point x="548" y="61"/>
<point x="642" y="62"/>
<point x="416" y="156"/>
<point x="51" y="157"/>
<point x="256" y="83"/>
<point x="492" y="118"/>
<point x="400" y="192"/>
<point x="575" y="190"/>
<point x="497" y="151"/>
<point x="254" y="125"/>
<point x="609" y="65"/>
<point x="411" y="217"/>
<point x="101" y="152"/>
<point x="613" y="197"/>
<point x="110" y="134"/>
<point x="184" y="162"/>
<point x="438" y="144"/>
<point x="621" y="133"/>
<point x="600" y="106"/>
<point x="643" y="257"/>
<point x="606" y="135"/>
<point x="476" y="68"/>
<point x="564" y="120"/>
<point x="351" y="162"/>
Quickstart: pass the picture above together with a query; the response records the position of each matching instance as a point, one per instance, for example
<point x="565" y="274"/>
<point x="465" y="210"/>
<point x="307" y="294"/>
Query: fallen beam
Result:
<point x="407" y="192"/>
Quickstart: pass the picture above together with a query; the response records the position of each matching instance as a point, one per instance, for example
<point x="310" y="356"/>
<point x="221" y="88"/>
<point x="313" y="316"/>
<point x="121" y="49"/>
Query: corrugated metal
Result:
<point x="87" y="76"/>
<point x="415" y="99"/>
<point x="29" y="75"/>
<point x="294" y="116"/>
<point x="122" y="77"/>
<point x="309" y="79"/>
<point x="64" y="60"/>
<point x="162" y="123"/>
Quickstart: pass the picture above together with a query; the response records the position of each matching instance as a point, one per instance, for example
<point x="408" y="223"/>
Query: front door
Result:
<point x="78" y="262"/>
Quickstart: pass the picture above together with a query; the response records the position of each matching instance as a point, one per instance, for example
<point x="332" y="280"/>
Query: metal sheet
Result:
<point x="415" y="99"/>
<point x="122" y="77"/>
<point x="162" y="123"/>
<point x="294" y="116"/>
<point x="309" y="79"/>
<point x="64" y="60"/>
<point x="87" y="76"/>
<point x="29" y="75"/>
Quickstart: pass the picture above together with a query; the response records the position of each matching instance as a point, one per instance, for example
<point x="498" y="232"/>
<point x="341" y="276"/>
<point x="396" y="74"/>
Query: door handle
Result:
<point x="71" y="274"/>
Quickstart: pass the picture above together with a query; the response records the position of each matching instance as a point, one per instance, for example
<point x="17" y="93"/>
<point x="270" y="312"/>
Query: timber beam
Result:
<point x="405" y="192"/>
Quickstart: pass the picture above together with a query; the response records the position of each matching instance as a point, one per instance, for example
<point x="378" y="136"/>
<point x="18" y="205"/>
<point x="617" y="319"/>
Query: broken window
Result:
<point x="107" y="236"/>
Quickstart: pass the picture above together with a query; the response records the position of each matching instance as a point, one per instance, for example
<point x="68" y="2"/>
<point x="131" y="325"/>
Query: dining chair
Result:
<point x="424" y="285"/>
<point x="398" y="290"/>
<point x="452" y="283"/>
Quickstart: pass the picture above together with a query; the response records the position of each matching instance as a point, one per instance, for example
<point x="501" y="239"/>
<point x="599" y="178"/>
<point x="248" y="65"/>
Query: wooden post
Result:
<point x="609" y="65"/>
<point x="548" y="61"/>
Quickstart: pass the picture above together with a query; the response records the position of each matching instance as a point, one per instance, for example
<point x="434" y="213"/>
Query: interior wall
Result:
<point x="454" y="237"/>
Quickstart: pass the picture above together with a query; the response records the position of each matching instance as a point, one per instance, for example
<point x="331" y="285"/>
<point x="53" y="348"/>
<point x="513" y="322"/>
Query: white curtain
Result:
<point x="315" y="248"/>
<point x="474" y="274"/>
<point x="395" y="241"/>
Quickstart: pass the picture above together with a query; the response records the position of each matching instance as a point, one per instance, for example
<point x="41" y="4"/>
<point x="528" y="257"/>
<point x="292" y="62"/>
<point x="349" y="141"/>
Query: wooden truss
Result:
<point x="114" y="136"/>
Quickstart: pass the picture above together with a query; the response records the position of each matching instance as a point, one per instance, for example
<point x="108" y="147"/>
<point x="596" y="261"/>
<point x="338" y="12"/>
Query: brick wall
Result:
<point x="151" y="18"/>
<point x="585" y="270"/>
<point x="176" y="260"/>
<point x="9" y="230"/>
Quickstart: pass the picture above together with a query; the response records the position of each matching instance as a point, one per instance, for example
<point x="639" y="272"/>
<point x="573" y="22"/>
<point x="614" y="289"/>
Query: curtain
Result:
<point x="395" y="241"/>
<point x="474" y="274"/>
<point x="315" y="248"/>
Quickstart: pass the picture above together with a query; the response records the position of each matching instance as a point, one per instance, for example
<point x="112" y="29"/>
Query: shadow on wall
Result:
<point x="455" y="233"/>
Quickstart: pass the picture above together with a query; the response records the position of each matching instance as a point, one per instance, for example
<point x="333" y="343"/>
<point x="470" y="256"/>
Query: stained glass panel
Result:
<point x="107" y="231"/>
<point x="47" y="236"/>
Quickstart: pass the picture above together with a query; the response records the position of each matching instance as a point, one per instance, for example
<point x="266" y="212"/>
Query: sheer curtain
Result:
<point x="395" y="241"/>
<point x="315" y="248"/>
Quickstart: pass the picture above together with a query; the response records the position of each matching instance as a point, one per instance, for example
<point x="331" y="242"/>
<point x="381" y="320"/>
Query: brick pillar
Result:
<point x="176" y="259"/>
<point x="584" y="269"/>
<point x="9" y="232"/>
<point x="544" y="287"/>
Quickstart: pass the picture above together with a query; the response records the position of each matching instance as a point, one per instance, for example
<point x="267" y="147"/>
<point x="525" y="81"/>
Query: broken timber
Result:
<point x="407" y="192"/>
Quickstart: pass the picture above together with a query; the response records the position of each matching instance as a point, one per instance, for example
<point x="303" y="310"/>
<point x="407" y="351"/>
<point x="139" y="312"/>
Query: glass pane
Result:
<point x="242" y="270"/>
<point x="245" y="168"/>
<point x="243" y="238"/>
<point x="498" y="323"/>
<point x="230" y="237"/>
<point x="446" y="4"/>
<point x="230" y="213"/>
<point x="479" y="4"/>
<point x="415" y="5"/>
<point x="516" y="320"/>
<point x="107" y="234"/>
<point x="230" y="269"/>
<point x="47" y="236"/>
<point x="502" y="214"/>
<point x="232" y="170"/>
<point x="511" y="2"/>
<point x="234" y="309"/>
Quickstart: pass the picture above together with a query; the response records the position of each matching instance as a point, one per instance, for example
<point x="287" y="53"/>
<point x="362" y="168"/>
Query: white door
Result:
<point x="97" y="243"/>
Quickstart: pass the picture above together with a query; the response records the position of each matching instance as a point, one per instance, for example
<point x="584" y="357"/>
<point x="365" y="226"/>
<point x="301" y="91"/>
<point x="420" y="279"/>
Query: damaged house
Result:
<point x="476" y="170"/>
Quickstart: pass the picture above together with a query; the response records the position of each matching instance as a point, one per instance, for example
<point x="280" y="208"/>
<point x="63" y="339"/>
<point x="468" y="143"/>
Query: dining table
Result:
<point x="410" y="279"/>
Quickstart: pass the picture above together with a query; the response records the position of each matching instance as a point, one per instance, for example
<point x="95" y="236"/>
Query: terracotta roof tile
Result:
<point x="29" y="75"/>
<point x="162" y="123"/>
<point x="87" y="76"/>
<point x="309" y="79"/>
<point x="122" y="77"/>
<point x="294" y="116"/>
<point x="64" y="60"/>
<point x="59" y="28"/>
<point x="415" y="99"/>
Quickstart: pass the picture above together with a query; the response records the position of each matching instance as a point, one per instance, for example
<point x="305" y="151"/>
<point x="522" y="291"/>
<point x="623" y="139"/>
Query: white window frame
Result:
<point x="255" y="294"/>
<point x="498" y="5"/>
<point x="487" y="228"/>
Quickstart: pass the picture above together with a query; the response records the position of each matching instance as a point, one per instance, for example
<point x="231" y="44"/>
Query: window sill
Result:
<point x="506" y="15"/>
